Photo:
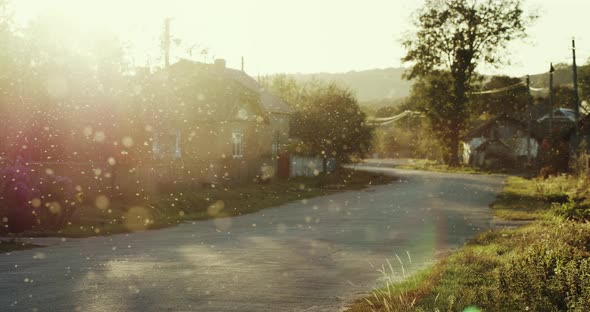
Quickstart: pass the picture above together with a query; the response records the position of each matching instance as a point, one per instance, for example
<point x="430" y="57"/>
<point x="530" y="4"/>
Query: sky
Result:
<point x="307" y="36"/>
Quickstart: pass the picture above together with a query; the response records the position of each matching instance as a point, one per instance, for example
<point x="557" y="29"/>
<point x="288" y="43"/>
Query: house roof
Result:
<point x="479" y="130"/>
<point x="202" y="92"/>
<point x="269" y="101"/>
<point x="561" y="113"/>
<point x="495" y="142"/>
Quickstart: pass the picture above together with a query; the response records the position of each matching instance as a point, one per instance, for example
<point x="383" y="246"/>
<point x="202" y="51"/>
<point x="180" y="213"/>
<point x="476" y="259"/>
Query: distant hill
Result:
<point x="562" y="76"/>
<point x="369" y="85"/>
<point x="376" y="88"/>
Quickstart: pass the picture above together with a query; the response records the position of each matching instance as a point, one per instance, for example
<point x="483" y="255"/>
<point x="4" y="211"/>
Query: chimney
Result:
<point x="220" y="64"/>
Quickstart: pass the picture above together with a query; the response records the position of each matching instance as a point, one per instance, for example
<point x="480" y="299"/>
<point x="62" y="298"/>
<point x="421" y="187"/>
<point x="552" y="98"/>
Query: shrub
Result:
<point x="59" y="201"/>
<point x="549" y="275"/>
<point x="50" y="203"/>
<point x="16" y="212"/>
<point x="572" y="210"/>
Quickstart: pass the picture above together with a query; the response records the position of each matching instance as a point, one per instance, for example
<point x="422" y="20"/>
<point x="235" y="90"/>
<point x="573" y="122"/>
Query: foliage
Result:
<point x="286" y="87"/>
<point x="331" y="123"/>
<point x="408" y="138"/>
<point x="16" y="192"/>
<point x="25" y="203"/>
<point x="411" y="136"/>
<point x="54" y="79"/>
<point x="549" y="273"/>
<point x="13" y="245"/>
<point x="382" y="107"/>
<point x="431" y="96"/>
<point x="455" y="36"/>
<point x="327" y="120"/>
<point x="584" y="82"/>
<point x="539" y="267"/>
<point x="58" y="202"/>
<point x="510" y="101"/>
<point x="573" y="210"/>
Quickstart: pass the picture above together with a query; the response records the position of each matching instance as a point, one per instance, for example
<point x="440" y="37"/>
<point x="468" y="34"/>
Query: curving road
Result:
<point x="314" y="255"/>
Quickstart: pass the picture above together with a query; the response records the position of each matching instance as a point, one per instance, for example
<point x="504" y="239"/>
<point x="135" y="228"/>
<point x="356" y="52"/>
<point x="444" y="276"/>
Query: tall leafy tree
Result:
<point x="457" y="36"/>
<point x="585" y="82"/>
<point x="330" y="123"/>
<point x="430" y="95"/>
<point x="287" y="88"/>
<point x="327" y="119"/>
<point x="513" y="100"/>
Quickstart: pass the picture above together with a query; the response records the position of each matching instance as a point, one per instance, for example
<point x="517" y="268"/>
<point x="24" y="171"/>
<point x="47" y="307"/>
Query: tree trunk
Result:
<point x="459" y="109"/>
<point x="454" y="146"/>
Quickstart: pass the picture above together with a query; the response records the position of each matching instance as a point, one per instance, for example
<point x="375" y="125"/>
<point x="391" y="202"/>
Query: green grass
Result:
<point x="542" y="266"/>
<point x="185" y="203"/>
<point x="11" y="245"/>
<point x="429" y="165"/>
<point x="521" y="200"/>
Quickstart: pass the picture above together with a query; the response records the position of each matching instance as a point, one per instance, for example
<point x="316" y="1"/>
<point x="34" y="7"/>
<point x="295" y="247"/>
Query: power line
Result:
<point x="389" y="120"/>
<point x="538" y="89"/>
<point x="507" y="88"/>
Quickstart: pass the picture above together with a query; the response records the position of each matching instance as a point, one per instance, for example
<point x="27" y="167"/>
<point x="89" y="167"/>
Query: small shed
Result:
<point x="499" y="142"/>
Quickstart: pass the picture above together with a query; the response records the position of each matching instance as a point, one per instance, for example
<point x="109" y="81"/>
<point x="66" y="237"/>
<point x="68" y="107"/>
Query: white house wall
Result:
<point x="518" y="146"/>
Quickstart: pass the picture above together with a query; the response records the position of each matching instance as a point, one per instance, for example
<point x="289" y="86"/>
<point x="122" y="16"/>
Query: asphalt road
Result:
<point x="313" y="255"/>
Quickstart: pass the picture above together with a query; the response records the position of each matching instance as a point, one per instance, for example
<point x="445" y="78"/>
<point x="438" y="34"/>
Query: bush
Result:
<point x="59" y="202"/>
<point x="16" y="213"/>
<point x="549" y="275"/>
<point x="50" y="203"/>
<point x="572" y="210"/>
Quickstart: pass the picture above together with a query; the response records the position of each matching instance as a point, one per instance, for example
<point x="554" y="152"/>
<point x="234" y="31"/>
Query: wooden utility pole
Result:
<point x="576" y="97"/>
<point x="551" y="103"/>
<point x="529" y="119"/>
<point x="166" y="42"/>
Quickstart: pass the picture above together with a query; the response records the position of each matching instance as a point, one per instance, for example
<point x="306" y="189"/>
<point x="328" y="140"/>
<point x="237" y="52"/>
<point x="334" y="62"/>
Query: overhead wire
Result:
<point x="507" y="88"/>
<point x="389" y="120"/>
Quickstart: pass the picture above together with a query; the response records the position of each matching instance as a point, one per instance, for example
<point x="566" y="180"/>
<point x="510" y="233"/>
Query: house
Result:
<point x="580" y="144"/>
<point x="562" y="121"/>
<point x="190" y="123"/>
<point x="499" y="142"/>
<point x="215" y="123"/>
<point x="558" y="133"/>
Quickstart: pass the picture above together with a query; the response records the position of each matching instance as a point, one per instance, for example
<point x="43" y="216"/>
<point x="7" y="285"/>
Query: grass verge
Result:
<point x="542" y="266"/>
<point x="427" y="165"/>
<point x="185" y="203"/>
<point x="11" y="245"/>
<point x="430" y="165"/>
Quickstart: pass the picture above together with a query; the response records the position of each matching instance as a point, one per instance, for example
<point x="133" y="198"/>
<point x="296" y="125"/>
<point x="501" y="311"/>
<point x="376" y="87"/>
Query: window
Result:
<point x="275" y="144"/>
<point x="166" y="144"/>
<point x="237" y="150"/>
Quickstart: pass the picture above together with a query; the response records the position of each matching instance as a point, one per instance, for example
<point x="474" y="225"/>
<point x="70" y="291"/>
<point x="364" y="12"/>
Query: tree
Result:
<point x="327" y="119"/>
<point x="564" y="97"/>
<point x="585" y="82"/>
<point x="456" y="36"/>
<point x="514" y="100"/>
<point x="285" y="87"/>
<point x="430" y="95"/>
<point x="330" y="123"/>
